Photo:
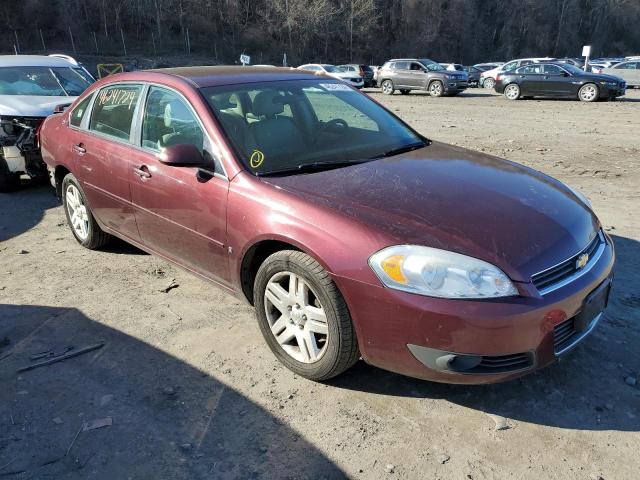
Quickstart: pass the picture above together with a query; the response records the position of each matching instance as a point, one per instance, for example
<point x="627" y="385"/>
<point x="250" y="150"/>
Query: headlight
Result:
<point x="439" y="273"/>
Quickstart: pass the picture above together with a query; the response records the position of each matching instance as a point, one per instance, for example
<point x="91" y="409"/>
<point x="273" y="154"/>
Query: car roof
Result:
<point x="33" y="61"/>
<point x="209" y="76"/>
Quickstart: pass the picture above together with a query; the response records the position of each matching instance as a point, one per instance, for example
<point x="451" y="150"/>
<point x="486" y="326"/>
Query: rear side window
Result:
<point x="113" y="110"/>
<point x="552" y="70"/>
<point x="78" y="113"/>
<point x="534" y="68"/>
<point x="168" y="121"/>
<point x="402" y="66"/>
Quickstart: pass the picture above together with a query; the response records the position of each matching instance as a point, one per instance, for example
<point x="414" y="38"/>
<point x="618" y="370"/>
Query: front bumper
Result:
<point x="609" y="91"/>
<point x="455" y="86"/>
<point x="396" y="329"/>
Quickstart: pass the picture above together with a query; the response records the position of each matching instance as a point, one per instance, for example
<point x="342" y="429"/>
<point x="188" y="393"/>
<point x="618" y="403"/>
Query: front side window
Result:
<point x="78" y="113"/>
<point x="552" y="70"/>
<point x="533" y="69"/>
<point x="43" y="81"/>
<point x="290" y="125"/>
<point x="416" y="67"/>
<point x="113" y="110"/>
<point x="168" y="120"/>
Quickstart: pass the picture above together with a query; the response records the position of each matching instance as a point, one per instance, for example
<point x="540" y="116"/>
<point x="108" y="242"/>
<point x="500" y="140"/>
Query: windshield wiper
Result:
<point x="403" y="149"/>
<point x="312" y="167"/>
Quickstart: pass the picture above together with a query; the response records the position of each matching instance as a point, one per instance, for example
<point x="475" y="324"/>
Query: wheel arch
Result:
<point x="60" y="172"/>
<point x="255" y="253"/>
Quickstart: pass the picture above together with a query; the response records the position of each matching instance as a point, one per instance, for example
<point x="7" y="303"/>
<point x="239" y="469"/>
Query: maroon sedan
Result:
<point x="351" y="234"/>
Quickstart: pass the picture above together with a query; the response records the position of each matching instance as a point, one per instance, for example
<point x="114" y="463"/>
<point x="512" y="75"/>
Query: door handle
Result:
<point x="142" y="172"/>
<point x="79" y="149"/>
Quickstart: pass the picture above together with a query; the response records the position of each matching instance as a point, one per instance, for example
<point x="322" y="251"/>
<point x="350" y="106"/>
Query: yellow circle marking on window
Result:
<point x="256" y="159"/>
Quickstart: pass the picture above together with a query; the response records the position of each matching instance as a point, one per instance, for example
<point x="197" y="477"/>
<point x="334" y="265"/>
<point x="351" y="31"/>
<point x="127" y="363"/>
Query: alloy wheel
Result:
<point x="435" y="89"/>
<point x="588" y="93"/>
<point x="296" y="318"/>
<point x="489" y="83"/>
<point x="387" y="87"/>
<point x="78" y="214"/>
<point x="512" y="92"/>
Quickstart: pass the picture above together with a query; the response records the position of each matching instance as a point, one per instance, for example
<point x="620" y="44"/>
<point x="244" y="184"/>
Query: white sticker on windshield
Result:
<point x="336" y="87"/>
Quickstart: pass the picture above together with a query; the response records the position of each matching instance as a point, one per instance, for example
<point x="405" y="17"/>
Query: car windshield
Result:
<point x="293" y="126"/>
<point x="572" y="69"/>
<point x="431" y="65"/>
<point x="43" y="81"/>
<point x="332" y="69"/>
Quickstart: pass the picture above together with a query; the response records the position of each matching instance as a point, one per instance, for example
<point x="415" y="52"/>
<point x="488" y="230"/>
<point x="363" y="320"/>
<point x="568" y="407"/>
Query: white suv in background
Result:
<point x="335" y="72"/>
<point x="31" y="87"/>
<point x="488" y="78"/>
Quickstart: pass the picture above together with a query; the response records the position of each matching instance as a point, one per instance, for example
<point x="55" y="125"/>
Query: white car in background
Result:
<point x="31" y="87"/>
<point x="488" y="78"/>
<point x="335" y="72"/>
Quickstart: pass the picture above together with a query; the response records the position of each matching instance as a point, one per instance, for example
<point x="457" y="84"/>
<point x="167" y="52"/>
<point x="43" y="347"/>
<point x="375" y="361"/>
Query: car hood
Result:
<point x="604" y="77"/>
<point x="455" y="199"/>
<point x="343" y="75"/>
<point x="30" y="105"/>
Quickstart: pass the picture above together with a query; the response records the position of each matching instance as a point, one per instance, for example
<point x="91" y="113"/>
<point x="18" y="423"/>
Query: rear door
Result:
<point x="401" y="74"/>
<point x="102" y="150"/>
<point x="531" y="79"/>
<point x="181" y="211"/>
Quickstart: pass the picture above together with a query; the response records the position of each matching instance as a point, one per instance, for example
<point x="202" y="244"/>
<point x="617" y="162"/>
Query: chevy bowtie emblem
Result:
<point x="582" y="261"/>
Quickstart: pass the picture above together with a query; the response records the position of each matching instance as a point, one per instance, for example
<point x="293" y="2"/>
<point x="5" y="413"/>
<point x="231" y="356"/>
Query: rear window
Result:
<point x="78" y="113"/>
<point x="113" y="110"/>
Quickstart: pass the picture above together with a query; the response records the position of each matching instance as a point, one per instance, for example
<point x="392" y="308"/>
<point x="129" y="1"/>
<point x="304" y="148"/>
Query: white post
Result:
<point x="124" y="45"/>
<point x="17" y="44"/>
<point x="95" y="41"/>
<point x="44" y="47"/>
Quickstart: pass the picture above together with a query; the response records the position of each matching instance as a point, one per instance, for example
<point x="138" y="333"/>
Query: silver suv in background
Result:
<point x="406" y="74"/>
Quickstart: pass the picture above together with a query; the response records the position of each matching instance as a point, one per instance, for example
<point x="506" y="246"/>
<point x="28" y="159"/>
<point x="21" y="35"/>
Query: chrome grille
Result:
<point x="546" y="280"/>
<point x="503" y="363"/>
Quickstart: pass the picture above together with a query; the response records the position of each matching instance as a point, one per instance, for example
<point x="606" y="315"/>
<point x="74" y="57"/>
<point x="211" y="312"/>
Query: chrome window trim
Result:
<point x="592" y="261"/>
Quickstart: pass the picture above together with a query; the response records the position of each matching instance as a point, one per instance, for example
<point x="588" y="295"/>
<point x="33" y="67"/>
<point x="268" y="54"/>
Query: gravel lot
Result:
<point x="193" y="392"/>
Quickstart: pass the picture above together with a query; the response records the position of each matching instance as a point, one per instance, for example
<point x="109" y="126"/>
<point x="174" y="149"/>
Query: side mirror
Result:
<point x="61" y="108"/>
<point x="183" y="155"/>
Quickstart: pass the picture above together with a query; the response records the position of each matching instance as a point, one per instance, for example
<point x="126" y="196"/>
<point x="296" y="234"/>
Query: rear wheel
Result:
<point x="404" y="91"/>
<point x="512" y="91"/>
<point x="436" y="88"/>
<point x="489" y="83"/>
<point x="589" y="92"/>
<point x="387" y="87"/>
<point x="9" y="181"/>
<point x="303" y="317"/>
<point x="79" y="217"/>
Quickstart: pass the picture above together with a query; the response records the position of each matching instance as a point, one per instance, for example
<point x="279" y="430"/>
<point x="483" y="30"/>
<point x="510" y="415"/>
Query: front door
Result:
<point x="181" y="213"/>
<point x="102" y="155"/>
<point x="558" y="82"/>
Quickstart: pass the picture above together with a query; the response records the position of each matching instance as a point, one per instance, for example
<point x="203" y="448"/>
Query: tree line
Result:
<point x="335" y="31"/>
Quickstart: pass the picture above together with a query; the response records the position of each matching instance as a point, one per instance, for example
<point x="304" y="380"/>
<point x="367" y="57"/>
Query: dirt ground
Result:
<point x="193" y="392"/>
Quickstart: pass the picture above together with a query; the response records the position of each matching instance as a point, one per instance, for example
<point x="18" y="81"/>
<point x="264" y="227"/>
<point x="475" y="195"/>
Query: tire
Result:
<point x="404" y="91"/>
<point x="387" y="87"/>
<point x="489" y="83"/>
<point x="330" y="346"/>
<point x="436" y="88"/>
<point x="9" y="181"/>
<point x="83" y="225"/>
<point x="588" y="92"/>
<point x="512" y="91"/>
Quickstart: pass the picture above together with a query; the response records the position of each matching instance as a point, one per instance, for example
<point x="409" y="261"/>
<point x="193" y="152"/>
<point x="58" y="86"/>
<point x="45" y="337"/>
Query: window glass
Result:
<point x="552" y="70"/>
<point x="534" y="68"/>
<point x="78" y="113"/>
<point x="416" y="66"/>
<point x="168" y="120"/>
<point x="299" y="122"/>
<point x="627" y="66"/>
<point x="113" y="110"/>
<point x="509" y="66"/>
<point x="42" y="81"/>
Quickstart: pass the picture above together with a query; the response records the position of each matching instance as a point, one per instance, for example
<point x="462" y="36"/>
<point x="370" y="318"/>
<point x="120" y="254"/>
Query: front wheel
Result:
<point x="489" y="83"/>
<point x="512" y="91"/>
<point x="303" y="317"/>
<point x="387" y="87"/>
<point x="589" y="92"/>
<point x="436" y="89"/>
<point x="79" y="217"/>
